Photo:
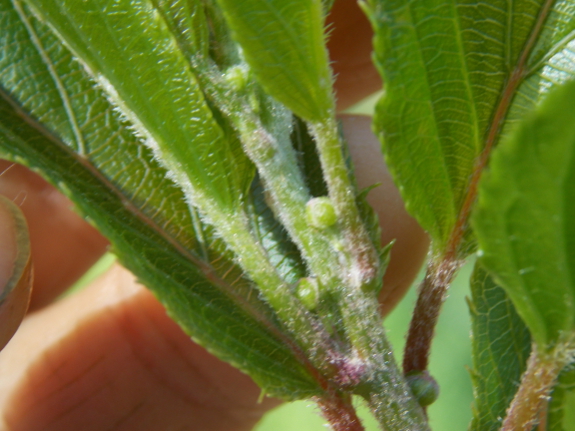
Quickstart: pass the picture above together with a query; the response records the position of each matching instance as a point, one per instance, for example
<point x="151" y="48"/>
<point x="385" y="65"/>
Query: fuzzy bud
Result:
<point x="308" y="292"/>
<point x="320" y="213"/>
<point x="237" y="77"/>
<point x="423" y="386"/>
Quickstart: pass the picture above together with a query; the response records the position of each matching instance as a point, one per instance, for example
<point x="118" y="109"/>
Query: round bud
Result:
<point x="308" y="292"/>
<point x="237" y="77"/>
<point x="254" y="103"/>
<point x="423" y="386"/>
<point x="320" y="212"/>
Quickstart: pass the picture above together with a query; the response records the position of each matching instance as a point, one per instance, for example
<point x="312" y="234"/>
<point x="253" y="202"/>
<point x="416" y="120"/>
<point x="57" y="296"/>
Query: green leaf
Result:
<point x="501" y="347"/>
<point x="456" y="74"/>
<point x="271" y="234"/>
<point x="525" y="213"/>
<point x="187" y="21"/>
<point x="561" y="412"/>
<point x="283" y="42"/>
<point x="55" y="120"/>
<point x="129" y="49"/>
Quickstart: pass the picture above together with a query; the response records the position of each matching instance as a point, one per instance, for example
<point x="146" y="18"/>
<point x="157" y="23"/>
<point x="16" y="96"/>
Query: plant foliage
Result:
<point x="200" y="137"/>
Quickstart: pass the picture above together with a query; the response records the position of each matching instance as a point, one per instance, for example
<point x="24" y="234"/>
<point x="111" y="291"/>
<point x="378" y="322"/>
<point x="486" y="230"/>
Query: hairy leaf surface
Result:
<point x="54" y="119"/>
<point x="501" y="346"/>
<point x="524" y="218"/>
<point x="129" y="49"/>
<point x="283" y="43"/>
<point x="457" y="73"/>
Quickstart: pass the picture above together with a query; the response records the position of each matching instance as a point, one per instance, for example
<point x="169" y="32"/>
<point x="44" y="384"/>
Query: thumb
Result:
<point x="15" y="269"/>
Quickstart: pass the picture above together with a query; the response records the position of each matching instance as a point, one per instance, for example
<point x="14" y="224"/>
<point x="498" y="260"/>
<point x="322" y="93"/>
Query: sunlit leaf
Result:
<point x="129" y="49"/>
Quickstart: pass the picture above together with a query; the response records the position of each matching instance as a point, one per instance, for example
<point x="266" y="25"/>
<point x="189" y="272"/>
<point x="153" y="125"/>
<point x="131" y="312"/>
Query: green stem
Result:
<point x="372" y="361"/>
<point x="382" y="383"/>
<point x="345" y="274"/>
<point x="277" y="165"/>
<point x="363" y="263"/>
<point x="252" y="257"/>
<point x="278" y="168"/>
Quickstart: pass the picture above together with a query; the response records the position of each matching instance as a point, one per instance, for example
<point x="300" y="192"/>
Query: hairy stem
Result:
<point x="276" y="162"/>
<point x="340" y="414"/>
<point x="345" y="261"/>
<point x="306" y="329"/>
<point x="363" y="259"/>
<point x="530" y="402"/>
<point x="432" y="293"/>
<point x="442" y="270"/>
<point x="372" y="369"/>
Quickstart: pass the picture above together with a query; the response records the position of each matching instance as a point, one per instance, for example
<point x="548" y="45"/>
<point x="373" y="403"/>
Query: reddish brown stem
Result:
<point x="431" y="295"/>
<point x="340" y="414"/>
<point x="442" y="269"/>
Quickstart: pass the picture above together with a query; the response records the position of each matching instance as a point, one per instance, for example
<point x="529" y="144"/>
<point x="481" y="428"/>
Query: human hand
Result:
<point x="108" y="357"/>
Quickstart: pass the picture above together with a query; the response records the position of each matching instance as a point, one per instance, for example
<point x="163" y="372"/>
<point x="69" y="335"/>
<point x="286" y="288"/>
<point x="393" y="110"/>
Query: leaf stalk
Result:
<point x="529" y="404"/>
<point x="432" y="293"/>
<point x="443" y="269"/>
<point x="339" y="413"/>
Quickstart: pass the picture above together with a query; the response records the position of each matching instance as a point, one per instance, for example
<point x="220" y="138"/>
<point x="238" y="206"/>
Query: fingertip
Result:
<point x="110" y="358"/>
<point x="15" y="269"/>
<point x="64" y="246"/>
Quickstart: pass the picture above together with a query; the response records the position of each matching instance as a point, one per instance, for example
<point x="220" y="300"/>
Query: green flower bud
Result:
<point x="320" y="212"/>
<point x="423" y="386"/>
<point x="237" y="77"/>
<point x="308" y="292"/>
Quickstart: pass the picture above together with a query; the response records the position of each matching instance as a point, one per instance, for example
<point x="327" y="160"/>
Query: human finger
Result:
<point x="15" y="269"/>
<point x="350" y="47"/>
<point x="109" y="357"/>
<point x="63" y="244"/>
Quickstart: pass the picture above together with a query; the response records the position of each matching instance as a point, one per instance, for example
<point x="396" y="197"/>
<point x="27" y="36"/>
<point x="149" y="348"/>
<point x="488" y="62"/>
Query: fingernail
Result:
<point x="8" y="246"/>
<point x="15" y="269"/>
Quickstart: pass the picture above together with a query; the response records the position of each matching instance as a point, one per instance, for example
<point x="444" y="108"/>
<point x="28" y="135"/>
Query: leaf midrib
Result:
<point x="206" y="269"/>
<point x="514" y="81"/>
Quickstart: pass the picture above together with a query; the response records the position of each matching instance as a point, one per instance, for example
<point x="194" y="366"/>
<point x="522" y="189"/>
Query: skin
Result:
<point x="108" y="357"/>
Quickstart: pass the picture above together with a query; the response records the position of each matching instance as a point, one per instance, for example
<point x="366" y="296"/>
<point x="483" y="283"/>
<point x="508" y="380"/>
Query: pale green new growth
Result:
<point x="308" y="293"/>
<point x="320" y="213"/>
